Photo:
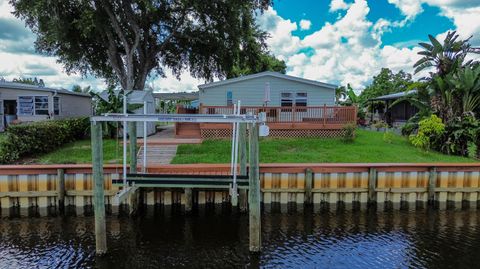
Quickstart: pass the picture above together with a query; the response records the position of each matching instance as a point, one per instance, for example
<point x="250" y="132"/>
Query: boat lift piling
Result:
<point x="132" y="181"/>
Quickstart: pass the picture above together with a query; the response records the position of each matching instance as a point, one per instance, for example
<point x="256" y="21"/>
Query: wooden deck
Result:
<point x="322" y="121"/>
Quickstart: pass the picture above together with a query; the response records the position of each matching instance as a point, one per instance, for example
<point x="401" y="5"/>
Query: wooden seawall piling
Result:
<point x="37" y="189"/>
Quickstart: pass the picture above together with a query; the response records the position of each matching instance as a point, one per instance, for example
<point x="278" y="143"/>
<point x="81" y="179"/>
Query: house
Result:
<point x="267" y="89"/>
<point x="143" y="98"/>
<point x="295" y="107"/>
<point x="28" y="103"/>
<point x="399" y="113"/>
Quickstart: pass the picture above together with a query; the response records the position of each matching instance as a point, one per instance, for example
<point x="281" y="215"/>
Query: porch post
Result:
<point x="254" y="191"/>
<point x="98" y="189"/>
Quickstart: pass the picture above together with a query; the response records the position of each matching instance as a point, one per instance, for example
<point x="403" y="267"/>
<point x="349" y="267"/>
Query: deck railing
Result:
<point x="310" y="114"/>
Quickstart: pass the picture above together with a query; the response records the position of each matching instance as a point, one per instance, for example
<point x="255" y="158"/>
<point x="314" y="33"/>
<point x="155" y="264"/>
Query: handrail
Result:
<point x="294" y="114"/>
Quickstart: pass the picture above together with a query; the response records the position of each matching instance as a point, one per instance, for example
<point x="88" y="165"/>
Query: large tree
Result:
<point x="124" y="40"/>
<point x="387" y="82"/>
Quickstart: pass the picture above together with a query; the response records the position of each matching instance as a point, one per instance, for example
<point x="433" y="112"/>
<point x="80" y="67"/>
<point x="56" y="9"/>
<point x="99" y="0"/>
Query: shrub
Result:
<point x="429" y="129"/>
<point x="349" y="132"/>
<point x="409" y="128"/>
<point x="459" y="133"/>
<point x="388" y="137"/>
<point x="380" y="124"/>
<point x="40" y="137"/>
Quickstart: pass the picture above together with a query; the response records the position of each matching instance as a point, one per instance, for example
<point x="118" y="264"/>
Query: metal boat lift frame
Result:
<point x="132" y="181"/>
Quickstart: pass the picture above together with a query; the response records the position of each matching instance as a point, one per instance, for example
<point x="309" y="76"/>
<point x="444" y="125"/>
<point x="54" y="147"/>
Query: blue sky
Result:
<point x="334" y="41"/>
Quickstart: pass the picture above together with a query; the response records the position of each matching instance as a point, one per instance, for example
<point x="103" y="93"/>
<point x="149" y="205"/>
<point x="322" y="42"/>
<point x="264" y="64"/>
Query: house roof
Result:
<point x="177" y="96"/>
<point x="264" y="74"/>
<point x="393" y="96"/>
<point x="27" y="87"/>
<point x="136" y="97"/>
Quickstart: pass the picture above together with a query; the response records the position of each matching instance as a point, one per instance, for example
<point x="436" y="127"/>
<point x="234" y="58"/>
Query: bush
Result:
<point x="409" y="128"/>
<point x="429" y="129"/>
<point x="388" y="137"/>
<point x="40" y="137"/>
<point x="349" y="133"/>
<point x="459" y="133"/>
<point x="380" y="124"/>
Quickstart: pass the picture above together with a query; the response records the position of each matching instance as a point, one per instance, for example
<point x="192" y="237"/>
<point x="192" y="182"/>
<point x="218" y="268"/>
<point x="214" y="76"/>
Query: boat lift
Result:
<point x="133" y="180"/>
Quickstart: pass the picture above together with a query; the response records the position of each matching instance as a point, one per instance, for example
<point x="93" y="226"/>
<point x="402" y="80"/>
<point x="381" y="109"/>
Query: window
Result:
<point x="41" y="105"/>
<point x="229" y="98"/>
<point x="286" y="99"/>
<point x="301" y="99"/>
<point x="32" y="105"/>
<point x="56" y="105"/>
<point x="25" y="106"/>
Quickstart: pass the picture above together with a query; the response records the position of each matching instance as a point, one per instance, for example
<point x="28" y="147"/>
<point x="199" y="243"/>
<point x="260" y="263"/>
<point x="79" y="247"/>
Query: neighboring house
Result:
<point x="283" y="90"/>
<point x="398" y="114"/>
<point x="27" y="103"/>
<point x="144" y="98"/>
<point x="295" y="107"/>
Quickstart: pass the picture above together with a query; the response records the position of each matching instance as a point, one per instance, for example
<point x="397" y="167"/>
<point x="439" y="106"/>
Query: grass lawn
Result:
<point x="81" y="152"/>
<point x="368" y="147"/>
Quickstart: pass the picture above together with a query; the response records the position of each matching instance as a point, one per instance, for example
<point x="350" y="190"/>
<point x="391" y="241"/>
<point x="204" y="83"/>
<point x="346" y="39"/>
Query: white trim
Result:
<point x="267" y="73"/>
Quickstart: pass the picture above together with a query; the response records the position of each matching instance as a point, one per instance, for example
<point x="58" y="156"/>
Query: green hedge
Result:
<point x="41" y="137"/>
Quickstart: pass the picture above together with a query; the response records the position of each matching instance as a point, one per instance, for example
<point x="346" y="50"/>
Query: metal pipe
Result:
<point x="125" y="139"/>
<point x="232" y="152"/>
<point x="145" y="111"/>
<point x="236" y="151"/>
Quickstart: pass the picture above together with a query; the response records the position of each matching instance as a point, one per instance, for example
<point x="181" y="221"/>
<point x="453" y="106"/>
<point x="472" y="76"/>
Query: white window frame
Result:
<point x="34" y="110"/>
<point x="59" y="105"/>
<point x="303" y="99"/>
<point x="291" y="98"/>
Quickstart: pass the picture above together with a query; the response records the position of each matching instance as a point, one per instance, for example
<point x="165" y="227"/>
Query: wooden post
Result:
<point x="254" y="191"/>
<point x="432" y="178"/>
<point x="98" y="189"/>
<point x="324" y="114"/>
<point x="372" y="183"/>
<point x="61" y="189"/>
<point x="308" y="186"/>
<point x="132" y="134"/>
<point x="242" y="143"/>
<point x="188" y="200"/>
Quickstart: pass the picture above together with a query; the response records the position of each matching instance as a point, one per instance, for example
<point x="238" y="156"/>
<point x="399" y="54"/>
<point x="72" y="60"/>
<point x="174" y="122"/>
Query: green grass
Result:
<point x="368" y="147"/>
<point x="81" y="152"/>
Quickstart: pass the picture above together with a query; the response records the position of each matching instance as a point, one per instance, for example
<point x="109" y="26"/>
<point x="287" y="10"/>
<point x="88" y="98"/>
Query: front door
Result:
<point x="2" y="117"/>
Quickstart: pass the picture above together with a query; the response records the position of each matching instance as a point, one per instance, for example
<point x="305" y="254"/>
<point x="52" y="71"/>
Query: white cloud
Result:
<point x="305" y="24"/>
<point x="346" y="51"/>
<point x="336" y="5"/>
<point x="284" y="43"/>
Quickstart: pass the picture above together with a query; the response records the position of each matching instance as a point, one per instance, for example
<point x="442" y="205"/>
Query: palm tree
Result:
<point x="447" y="57"/>
<point x="340" y="93"/>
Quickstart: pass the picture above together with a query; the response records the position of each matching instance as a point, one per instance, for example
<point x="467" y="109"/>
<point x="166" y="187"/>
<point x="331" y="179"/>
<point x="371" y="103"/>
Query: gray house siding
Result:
<point x="251" y="92"/>
<point x="71" y="104"/>
<point x="74" y="106"/>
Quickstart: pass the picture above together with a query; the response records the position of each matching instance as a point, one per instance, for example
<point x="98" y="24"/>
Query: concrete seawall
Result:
<point x="47" y="189"/>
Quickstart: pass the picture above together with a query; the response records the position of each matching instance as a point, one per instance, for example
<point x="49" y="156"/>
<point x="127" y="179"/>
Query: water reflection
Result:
<point x="421" y="239"/>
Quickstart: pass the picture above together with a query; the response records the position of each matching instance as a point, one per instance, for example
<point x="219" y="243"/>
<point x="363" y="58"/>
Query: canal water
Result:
<point x="400" y="239"/>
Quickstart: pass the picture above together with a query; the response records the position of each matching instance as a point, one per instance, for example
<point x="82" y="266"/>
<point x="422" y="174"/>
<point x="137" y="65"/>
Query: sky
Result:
<point x="332" y="41"/>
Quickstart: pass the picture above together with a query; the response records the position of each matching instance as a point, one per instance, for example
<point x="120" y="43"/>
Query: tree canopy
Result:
<point x="387" y="82"/>
<point x="30" y="81"/>
<point x="123" y="41"/>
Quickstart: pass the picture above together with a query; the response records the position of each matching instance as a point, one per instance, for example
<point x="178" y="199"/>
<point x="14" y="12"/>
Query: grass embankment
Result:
<point x="81" y="152"/>
<point x="368" y="147"/>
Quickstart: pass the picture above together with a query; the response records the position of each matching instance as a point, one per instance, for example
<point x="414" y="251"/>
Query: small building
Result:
<point x="398" y="114"/>
<point x="267" y="89"/>
<point x="143" y="98"/>
<point x="28" y="103"/>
